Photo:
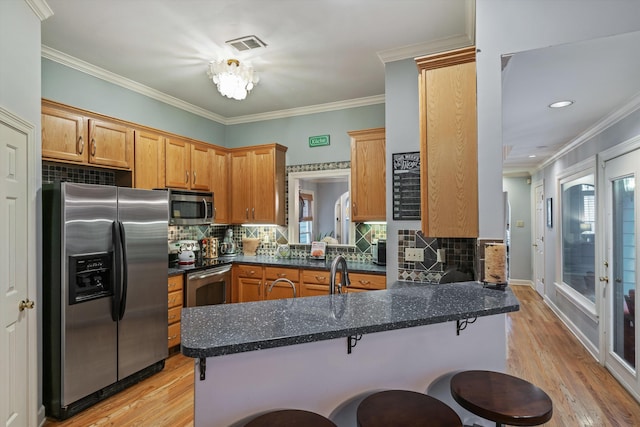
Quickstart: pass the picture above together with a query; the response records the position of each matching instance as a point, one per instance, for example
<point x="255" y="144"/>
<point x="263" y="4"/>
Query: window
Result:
<point x="305" y="221"/>
<point x="578" y="234"/>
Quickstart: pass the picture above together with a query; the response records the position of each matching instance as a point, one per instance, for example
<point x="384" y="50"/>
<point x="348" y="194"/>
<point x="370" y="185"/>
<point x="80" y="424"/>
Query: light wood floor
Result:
<point x="541" y="350"/>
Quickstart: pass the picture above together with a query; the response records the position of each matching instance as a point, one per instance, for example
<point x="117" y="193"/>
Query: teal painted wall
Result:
<point x="294" y="133"/>
<point x="68" y="86"/>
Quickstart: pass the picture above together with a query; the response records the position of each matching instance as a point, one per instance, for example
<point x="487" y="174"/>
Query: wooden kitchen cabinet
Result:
<point x="175" y="299"/>
<point x="220" y="185"/>
<point x="248" y="282"/>
<point x="148" y="160"/>
<point x="187" y="165"/>
<point x="366" y="282"/>
<point x="448" y="144"/>
<point x="281" y="289"/>
<point x="368" y="176"/>
<point x="257" y="177"/>
<point x="314" y="283"/>
<point x="70" y="135"/>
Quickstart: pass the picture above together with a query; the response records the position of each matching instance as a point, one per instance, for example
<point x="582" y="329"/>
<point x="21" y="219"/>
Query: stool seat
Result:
<point x="502" y="398"/>
<point x="290" y="417"/>
<point x="402" y="408"/>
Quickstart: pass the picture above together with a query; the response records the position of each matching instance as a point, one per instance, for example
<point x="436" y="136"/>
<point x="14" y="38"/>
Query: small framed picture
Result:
<point x="549" y="212"/>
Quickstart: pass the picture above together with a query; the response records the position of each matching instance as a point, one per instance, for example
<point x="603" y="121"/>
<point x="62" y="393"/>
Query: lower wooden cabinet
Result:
<point x="175" y="298"/>
<point x="316" y="282"/>
<point x="252" y="282"/>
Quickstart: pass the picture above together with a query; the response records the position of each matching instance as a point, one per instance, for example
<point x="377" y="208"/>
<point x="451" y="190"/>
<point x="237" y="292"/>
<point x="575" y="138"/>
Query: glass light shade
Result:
<point x="233" y="80"/>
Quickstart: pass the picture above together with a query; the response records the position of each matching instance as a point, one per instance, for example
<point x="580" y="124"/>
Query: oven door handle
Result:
<point x="207" y="274"/>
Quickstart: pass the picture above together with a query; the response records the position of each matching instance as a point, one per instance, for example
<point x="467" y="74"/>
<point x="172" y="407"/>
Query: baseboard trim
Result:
<point x="521" y="282"/>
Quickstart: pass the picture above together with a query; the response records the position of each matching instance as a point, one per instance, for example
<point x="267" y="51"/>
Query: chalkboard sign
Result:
<point x="406" y="186"/>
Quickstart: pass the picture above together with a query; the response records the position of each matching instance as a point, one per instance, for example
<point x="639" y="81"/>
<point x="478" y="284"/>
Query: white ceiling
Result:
<point x="328" y="54"/>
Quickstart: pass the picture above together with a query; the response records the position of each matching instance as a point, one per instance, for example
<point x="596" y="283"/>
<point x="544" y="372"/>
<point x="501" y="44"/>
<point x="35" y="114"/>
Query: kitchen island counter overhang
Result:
<point x="324" y="353"/>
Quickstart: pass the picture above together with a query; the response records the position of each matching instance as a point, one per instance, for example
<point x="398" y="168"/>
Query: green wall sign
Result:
<point x="318" y="141"/>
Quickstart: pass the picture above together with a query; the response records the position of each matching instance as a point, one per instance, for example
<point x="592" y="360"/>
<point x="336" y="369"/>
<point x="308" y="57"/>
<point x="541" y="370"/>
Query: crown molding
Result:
<point x="40" y="8"/>
<point x="312" y="109"/>
<point x="606" y="122"/>
<point x="427" y="48"/>
<point x="87" y="68"/>
<point x="435" y="46"/>
<point x="101" y="73"/>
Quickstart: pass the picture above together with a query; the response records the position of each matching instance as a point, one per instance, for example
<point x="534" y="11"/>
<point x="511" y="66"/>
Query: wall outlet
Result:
<point x="440" y="255"/>
<point x="414" y="254"/>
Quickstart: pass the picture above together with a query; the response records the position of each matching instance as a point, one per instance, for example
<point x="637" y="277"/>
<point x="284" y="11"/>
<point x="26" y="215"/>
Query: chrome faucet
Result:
<point x="338" y="261"/>
<point x="282" y="279"/>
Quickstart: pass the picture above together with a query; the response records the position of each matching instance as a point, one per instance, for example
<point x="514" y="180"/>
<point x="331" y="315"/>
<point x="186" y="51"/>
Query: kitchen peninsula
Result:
<point x="326" y="353"/>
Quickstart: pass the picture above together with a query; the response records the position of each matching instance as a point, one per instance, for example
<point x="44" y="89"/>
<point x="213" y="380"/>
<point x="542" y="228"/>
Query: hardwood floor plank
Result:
<point x="543" y="351"/>
<point x="540" y="349"/>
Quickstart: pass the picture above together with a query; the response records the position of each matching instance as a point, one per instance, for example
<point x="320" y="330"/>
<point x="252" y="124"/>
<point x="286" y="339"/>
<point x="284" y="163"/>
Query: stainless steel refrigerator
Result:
<point x="104" y="291"/>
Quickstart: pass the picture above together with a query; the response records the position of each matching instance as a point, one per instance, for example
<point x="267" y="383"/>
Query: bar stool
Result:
<point x="502" y="398"/>
<point x="290" y="417"/>
<point x="402" y="408"/>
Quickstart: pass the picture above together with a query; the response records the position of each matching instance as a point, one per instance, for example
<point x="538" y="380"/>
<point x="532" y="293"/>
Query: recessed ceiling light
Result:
<point x="532" y="156"/>
<point x="560" y="104"/>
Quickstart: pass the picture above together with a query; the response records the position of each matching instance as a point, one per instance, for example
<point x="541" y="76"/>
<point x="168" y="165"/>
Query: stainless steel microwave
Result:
<point x="190" y="207"/>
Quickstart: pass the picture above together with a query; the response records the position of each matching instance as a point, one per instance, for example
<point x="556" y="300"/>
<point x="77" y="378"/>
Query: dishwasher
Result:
<point x="209" y="286"/>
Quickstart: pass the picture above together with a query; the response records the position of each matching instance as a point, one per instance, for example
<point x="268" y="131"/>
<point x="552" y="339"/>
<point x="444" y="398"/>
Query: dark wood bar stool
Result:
<point x="502" y="398"/>
<point x="289" y="418"/>
<point x="402" y="408"/>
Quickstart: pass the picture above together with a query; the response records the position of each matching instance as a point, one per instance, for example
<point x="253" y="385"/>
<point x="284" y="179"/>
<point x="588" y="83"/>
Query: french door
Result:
<point x="622" y="219"/>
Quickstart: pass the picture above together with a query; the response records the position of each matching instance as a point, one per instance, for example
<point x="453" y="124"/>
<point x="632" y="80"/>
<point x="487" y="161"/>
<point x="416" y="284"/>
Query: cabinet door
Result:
<point x="63" y="136"/>
<point x="148" y="160"/>
<point x="249" y="289"/>
<point x="263" y="183"/>
<point x="280" y="290"/>
<point x="312" y="290"/>
<point x="448" y="147"/>
<point x="368" y="176"/>
<point x="200" y="167"/>
<point x="240" y="187"/>
<point x="110" y="144"/>
<point x="220" y="185"/>
<point x="367" y="281"/>
<point x="177" y="163"/>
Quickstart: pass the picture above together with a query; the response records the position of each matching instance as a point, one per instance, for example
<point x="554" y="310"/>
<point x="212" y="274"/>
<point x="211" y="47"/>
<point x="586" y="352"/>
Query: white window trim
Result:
<point x="580" y="169"/>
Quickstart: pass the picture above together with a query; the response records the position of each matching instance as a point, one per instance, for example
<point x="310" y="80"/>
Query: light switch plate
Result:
<point x="414" y="254"/>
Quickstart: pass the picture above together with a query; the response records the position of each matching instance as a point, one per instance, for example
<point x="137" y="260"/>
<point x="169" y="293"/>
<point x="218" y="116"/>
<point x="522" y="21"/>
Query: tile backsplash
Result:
<point x="459" y="253"/>
<point x="60" y="172"/>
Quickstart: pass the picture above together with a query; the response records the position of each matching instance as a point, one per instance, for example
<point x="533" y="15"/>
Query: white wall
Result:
<point x="20" y="94"/>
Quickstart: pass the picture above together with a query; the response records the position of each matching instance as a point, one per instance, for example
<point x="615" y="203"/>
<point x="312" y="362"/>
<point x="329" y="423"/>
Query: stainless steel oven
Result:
<point x="208" y="287"/>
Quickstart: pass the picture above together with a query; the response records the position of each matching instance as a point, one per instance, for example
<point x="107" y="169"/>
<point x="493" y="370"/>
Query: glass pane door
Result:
<point x="619" y="271"/>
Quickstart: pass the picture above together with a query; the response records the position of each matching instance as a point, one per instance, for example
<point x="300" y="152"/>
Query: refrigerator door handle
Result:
<point x="117" y="268"/>
<point x="125" y="275"/>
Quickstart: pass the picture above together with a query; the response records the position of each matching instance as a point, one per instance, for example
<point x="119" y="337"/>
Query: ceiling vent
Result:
<point x="246" y="43"/>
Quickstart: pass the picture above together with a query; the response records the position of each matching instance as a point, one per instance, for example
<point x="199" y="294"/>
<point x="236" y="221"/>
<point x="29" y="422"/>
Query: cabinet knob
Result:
<point x="93" y="147"/>
<point x="187" y="176"/>
<point x="194" y="177"/>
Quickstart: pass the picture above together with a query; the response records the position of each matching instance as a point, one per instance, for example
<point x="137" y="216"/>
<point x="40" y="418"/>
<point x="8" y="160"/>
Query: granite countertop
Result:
<point x="355" y="267"/>
<point x="235" y="328"/>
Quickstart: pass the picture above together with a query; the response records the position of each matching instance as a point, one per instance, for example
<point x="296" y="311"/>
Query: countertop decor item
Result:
<point x="283" y="251"/>
<point x="250" y="245"/>
<point x="318" y="250"/>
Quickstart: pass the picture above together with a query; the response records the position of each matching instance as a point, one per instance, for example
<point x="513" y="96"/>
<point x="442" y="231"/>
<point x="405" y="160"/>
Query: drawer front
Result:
<point x="175" y="283"/>
<point x="174" y="315"/>
<point x="175" y="299"/>
<point x="312" y="290"/>
<point x="273" y="273"/>
<point x="173" y="337"/>
<point x="315" y="276"/>
<point x="249" y="271"/>
<point x="368" y="281"/>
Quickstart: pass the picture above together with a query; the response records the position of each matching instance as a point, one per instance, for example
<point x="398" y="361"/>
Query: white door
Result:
<point x="538" y="246"/>
<point x="622" y="219"/>
<point x="18" y="384"/>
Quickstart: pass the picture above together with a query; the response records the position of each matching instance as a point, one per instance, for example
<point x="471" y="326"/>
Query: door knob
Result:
<point x="604" y="279"/>
<point x="25" y="304"/>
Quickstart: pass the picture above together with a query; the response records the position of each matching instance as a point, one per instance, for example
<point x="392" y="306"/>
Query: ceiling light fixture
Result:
<point x="560" y="104"/>
<point x="233" y="80"/>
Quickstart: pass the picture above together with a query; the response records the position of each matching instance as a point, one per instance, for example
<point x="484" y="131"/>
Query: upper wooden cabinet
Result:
<point x="71" y="136"/>
<point x="257" y="177"/>
<point x="220" y="185"/>
<point x="448" y="144"/>
<point x="368" y="176"/>
<point x="149" y="160"/>
<point x="187" y="165"/>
